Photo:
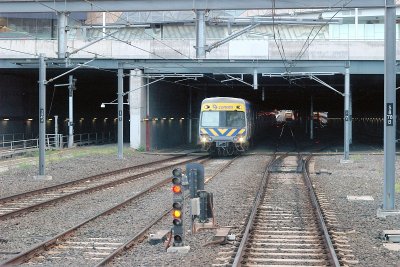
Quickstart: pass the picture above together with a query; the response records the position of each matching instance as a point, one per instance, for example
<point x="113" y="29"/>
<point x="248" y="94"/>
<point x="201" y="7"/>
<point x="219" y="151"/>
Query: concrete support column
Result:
<point x="120" y="112"/>
<point x="311" y="118"/>
<point x="390" y="106"/>
<point x="137" y="109"/>
<point x="62" y="34"/>
<point x="200" y="34"/>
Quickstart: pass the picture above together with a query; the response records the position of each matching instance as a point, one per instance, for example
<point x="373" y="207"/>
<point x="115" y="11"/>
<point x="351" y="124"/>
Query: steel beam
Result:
<point x="120" y="113"/>
<point x="231" y="37"/>
<point x="187" y="66"/>
<point x="389" y="106"/>
<point x="179" y="5"/>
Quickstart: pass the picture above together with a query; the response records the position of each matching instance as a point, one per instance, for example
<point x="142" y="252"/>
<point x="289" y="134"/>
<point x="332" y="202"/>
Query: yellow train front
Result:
<point x="226" y="125"/>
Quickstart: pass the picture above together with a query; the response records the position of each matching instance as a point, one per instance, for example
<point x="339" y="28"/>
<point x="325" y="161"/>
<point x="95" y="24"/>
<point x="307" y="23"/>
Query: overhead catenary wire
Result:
<point x="154" y="38"/>
<point x="307" y="44"/>
<point x="282" y="54"/>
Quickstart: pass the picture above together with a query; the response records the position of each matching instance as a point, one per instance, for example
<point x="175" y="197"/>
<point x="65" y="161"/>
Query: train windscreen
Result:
<point x="223" y="119"/>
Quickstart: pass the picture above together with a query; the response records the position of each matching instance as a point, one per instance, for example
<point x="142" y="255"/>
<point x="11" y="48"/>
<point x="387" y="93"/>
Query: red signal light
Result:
<point x="176" y="189"/>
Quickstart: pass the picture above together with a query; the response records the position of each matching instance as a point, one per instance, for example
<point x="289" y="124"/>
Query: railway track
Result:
<point x="28" y="201"/>
<point x="85" y="244"/>
<point x="286" y="226"/>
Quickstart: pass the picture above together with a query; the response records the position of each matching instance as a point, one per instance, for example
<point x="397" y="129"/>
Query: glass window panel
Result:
<point x="210" y="119"/>
<point x="235" y="119"/>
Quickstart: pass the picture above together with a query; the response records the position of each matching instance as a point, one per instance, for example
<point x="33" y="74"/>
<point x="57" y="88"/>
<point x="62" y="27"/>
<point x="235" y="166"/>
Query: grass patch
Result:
<point x="356" y="157"/>
<point x="397" y="188"/>
<point x="25" y="165"/>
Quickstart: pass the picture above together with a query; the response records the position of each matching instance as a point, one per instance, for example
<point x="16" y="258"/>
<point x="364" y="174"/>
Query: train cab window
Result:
<point x="210" y="119"/>
<point x="235" y="119"/>
<point x="223" y="119"/>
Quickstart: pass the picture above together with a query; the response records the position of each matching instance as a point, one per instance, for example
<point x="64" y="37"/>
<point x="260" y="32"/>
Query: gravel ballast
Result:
<point x="234" y="190"/>
<point x="363" y="177"/>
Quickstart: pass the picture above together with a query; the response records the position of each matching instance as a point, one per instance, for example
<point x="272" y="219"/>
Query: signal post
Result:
<point x="178" y="230"/>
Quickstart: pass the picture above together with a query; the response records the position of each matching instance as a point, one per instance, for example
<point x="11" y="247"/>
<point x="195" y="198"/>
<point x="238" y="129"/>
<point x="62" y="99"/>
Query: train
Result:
<point x="226" y="125"/>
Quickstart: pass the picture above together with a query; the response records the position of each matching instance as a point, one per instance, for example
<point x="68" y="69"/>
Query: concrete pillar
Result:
<point x="200" y="34"/>
<point x="62" y="34"/>
<point x="137" y="109"/>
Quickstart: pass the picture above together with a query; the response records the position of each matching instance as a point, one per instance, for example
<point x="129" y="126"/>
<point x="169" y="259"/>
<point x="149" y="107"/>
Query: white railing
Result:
<point x="52" y="141"/>
<point x="183" y="49"/>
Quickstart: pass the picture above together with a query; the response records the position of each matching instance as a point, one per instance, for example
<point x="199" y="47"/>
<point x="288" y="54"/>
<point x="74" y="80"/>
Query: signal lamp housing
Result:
<point x="177" y="214"/>
<point x="177" y="222"/>
<point x="178" y="238"/>
<point x="177" y="172"/>
<point x="176" y="189"/>
<point x="177" y="205"/>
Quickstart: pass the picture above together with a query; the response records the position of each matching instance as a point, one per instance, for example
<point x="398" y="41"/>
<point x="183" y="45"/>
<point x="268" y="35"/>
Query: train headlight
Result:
<point x="239" y="139"/>
<point x="205" y="138"/>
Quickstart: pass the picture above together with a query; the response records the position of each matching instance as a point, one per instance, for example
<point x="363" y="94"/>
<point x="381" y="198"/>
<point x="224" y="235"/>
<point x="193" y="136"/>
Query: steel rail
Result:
<point x="91" y="189"/>
<point x="239" y="255"/>
<point x="37" y="249"/>
<point x="321" y="222"/>
<point x="83" y="180"/>
<point x="140" y="235"/>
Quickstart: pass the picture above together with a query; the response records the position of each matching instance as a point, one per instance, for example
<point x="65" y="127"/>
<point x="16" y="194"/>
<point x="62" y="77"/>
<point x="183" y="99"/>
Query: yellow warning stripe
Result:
<point x="222" y="131"/>
<point x="214" y="132"/>
<point x="231" y="132"/>
<point x="241" y="131"/>
<point x="203" y="131"/>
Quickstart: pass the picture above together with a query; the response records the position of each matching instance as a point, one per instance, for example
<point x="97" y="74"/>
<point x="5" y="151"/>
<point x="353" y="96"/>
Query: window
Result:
<point x="210" y="119"/>
<point x="223" y="119"/>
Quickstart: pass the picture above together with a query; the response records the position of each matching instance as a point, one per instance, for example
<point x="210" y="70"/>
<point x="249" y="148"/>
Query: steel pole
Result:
<point x="120" y="112"/>
<point x="346" y="113"/>
<point x="62" y="38"/>
<point x="70" y="111"/>
<point x="56" y="131"/>
<point x="200" y="34"/>
<point x="190" y="117"/>
<point x="350" y="117"/>
<point x="389" y="106"/>
<point x="311" y="118"/>
<point x="42" y="114"/>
